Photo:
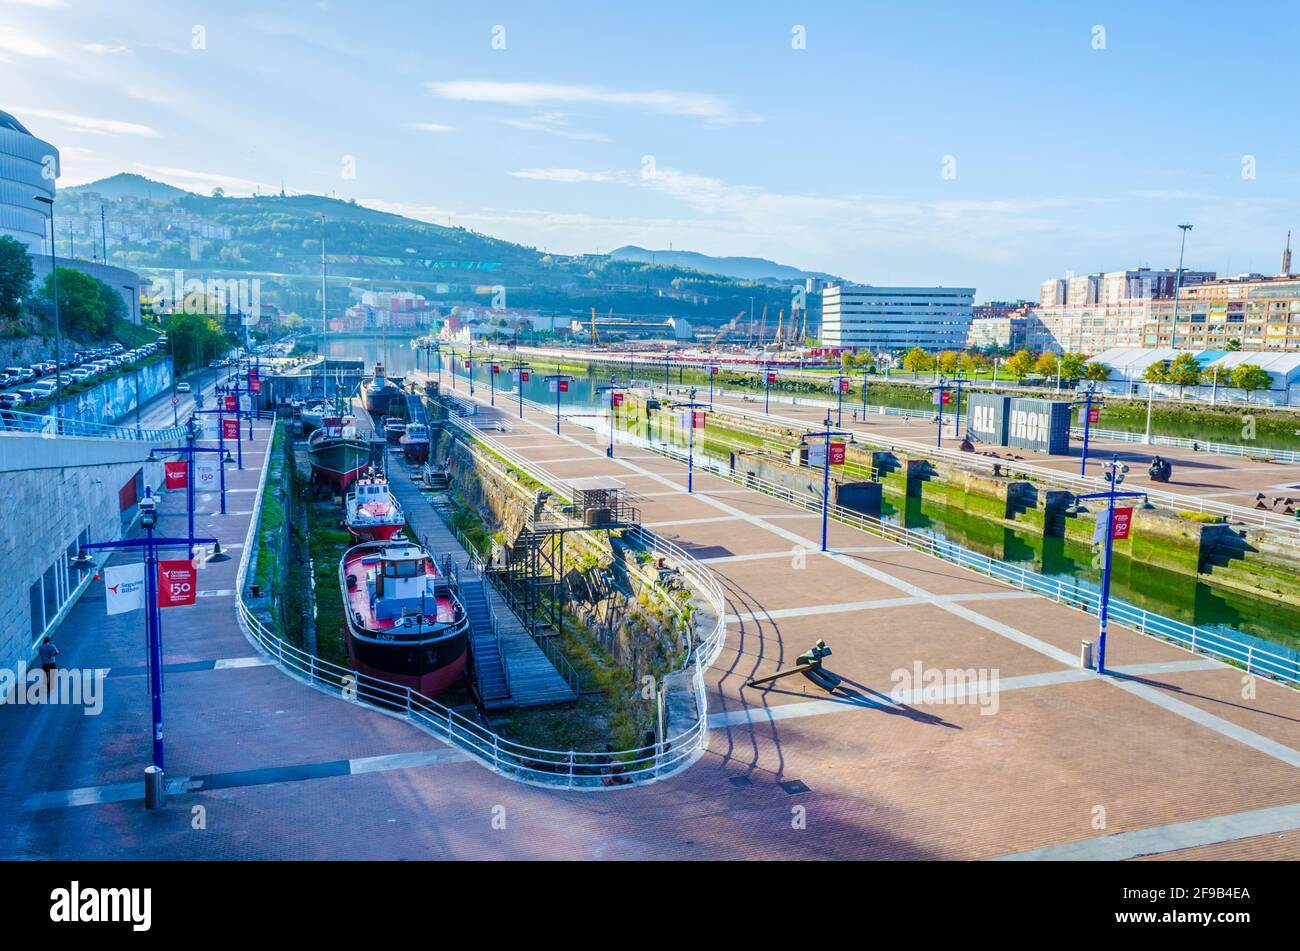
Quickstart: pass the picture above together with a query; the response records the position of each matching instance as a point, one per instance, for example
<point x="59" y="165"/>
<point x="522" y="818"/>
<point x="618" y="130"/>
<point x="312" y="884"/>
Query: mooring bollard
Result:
<point x="154" y="792"/>
<point x="1085" y="655"/>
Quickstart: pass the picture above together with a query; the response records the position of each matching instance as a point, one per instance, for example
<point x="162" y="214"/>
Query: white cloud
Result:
<point x="563" y="175"/>
<point x="697" y="105"/>
<point x="92" y="125"/>
<point x="116" y="48"/>
<point x="48" y="4"/>
<point x="15" y="41"/>
<point x="554" y="123"/>
<point x="429" y="127"/>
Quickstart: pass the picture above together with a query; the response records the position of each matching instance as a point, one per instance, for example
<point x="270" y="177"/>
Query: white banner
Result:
<point x="554" y="386"/>
<point x="124" y="587"/>
<point x="206" y="476"/>
<point x="208" y="427"/>
<point x="817" y="454"/>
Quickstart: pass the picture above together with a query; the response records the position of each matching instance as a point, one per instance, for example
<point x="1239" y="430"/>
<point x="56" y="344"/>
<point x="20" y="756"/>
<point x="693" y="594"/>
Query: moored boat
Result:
<point x="394" y="427"/>
<point x="415" y="443"/>
<point x="338" y="456"/>
<point x="371" y="511"/>
<point x="381" y="394"/>
<point x="404" y="622"/>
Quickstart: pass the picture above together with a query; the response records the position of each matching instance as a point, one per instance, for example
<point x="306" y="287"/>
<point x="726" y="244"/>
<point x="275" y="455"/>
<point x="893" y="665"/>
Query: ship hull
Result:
<point x="416" y="451"/>
<point x="381" y="402"/>
<point x="373" y="533"/>
<point x="339" y="462"/>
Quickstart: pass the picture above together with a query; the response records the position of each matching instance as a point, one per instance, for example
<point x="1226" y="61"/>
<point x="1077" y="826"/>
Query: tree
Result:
<point x="1020" y="364"/>
<point x="1073" y="366"/>
<point x="1234" y="344"/>
<point x="1184" y="372"/>
<point x="917" y="360"/>
<point x="82" y="308"/>
<point x="1098" y="372"/>
<point x="1250" y="377"/>
<point x="15" y="277"/>
<point x="1155" y="372"/>
<point x="1047" y="364"/>
<point x="866" y="360"/>
<point x="948" y="361"/>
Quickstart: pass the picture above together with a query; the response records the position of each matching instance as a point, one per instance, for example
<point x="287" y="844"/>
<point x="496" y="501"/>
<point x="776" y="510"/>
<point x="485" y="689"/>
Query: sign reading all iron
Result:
<point x="987" y="417"/>
<point x="1039" y="425"/>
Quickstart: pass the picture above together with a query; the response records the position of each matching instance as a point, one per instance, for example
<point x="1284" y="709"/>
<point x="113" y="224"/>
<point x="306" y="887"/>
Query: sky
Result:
<point x="986" y="145"/>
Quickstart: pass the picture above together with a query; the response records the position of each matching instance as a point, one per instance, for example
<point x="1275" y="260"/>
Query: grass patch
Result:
<point x="1204" y="518"/>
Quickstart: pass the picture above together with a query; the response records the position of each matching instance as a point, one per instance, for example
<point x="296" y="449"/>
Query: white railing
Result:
<point x="1215" y="448"/>
<point x="564" y="768"/>
<point x="15" y="422"/>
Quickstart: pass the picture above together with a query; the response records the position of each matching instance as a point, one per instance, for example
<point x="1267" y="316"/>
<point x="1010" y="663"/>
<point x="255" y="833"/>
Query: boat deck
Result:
<point x="359" y="598"/>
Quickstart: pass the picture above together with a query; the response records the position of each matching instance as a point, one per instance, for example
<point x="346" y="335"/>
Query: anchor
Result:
<point x="809" y="663"/>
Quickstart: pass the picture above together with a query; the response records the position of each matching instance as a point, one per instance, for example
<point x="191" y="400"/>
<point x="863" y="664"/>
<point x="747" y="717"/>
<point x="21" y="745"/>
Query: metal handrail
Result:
<point x="18" y="422"/>
<point x="565" y="768"/>
<point x="1182" y="442"/>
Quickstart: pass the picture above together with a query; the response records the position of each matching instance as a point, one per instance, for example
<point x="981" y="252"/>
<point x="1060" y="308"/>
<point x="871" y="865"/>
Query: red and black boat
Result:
<point x="405" y="623"/>
<point x="382" y="396"/>
<point x="415" y="443"/>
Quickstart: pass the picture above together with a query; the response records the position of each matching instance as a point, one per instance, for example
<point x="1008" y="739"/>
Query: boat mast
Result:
<point x="324" y="322"/>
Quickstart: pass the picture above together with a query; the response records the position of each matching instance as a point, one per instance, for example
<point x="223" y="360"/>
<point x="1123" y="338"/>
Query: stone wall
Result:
<point x="56" y="490"/>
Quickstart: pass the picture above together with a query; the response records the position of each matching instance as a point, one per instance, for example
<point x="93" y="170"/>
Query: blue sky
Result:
<point x="1080" y="134"/>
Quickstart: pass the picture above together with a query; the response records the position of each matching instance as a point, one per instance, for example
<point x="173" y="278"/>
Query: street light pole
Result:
<point x="1178" y="283"/>
<point x="58" y="331"/>
<point x="1114" y="474"/>
<point x="611" y="391"/>
<point x="825" y="435"/>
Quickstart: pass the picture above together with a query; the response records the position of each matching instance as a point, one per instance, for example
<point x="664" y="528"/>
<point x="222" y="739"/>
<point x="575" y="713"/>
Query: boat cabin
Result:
<point x="401" y="583"/>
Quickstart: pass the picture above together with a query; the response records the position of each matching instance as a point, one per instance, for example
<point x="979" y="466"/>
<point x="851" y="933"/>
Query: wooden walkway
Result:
<point x="533" y="679"/>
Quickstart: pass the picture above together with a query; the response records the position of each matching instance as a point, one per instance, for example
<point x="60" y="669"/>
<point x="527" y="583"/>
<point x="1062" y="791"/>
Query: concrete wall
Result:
<point x="114" y="401"/>
<point x="55" y="490"/>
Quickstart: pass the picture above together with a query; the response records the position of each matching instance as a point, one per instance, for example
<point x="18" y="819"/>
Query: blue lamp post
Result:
<point x="150" y="545"/>
<point x="1089" y="395"/>
<point x="189" y="449"/>
<point x="864" y="394"/>
<point x="520" y="371"/>
<point x="711" y="369"/>
<point x="611" y="390"/>
<point x="221" y="448"/>
<point x="767" y="388"/>
<point x="940" y="389"/>
<point x="690" y="408"/>
<point x="665" y="372"/>
<point x="826" y="435"/>
<point x="1114" y="474"/>
<point x="561" y="383"/>
<point x="840" y="387"/>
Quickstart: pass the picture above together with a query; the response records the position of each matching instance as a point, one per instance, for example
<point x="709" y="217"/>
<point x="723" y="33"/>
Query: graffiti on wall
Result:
<point x="114" y="400"/>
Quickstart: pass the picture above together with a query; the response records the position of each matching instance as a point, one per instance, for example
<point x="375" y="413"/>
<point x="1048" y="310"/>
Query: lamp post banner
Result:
<point x="232" y="402"/>
<point x="230" y="428"/>
<point x="177" y="583"/>
<point x="206" y="478"/>
<point x="124" y="587"/>
<point x="1120" y="524"/>
<point x="176" y="475"/>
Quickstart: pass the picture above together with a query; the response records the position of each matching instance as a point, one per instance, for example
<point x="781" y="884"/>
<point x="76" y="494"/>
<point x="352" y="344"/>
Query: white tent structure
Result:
<point x="1128" y="364"/>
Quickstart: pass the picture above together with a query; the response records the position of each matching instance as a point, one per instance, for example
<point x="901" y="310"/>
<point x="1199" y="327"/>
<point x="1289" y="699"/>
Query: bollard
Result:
<point x="154" y="793"/>
<point x="1085" y="655"/>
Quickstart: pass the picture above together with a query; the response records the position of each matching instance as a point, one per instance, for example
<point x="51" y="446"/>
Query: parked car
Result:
<point x="11" y="400"/>
<point x="182" y="387"/>
<point x="19" y="374"/>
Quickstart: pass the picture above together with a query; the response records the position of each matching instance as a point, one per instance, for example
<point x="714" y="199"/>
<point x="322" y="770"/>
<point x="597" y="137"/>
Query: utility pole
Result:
<point x="1178" y="283"/>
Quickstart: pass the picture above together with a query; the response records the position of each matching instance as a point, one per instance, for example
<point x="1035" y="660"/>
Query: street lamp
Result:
<point x="189" y="449"/>
<point x="520" y="371"/>
<point x="826" y="434"/>
<point x="615" y="400"/>
<point x="559" y="384"/>
<point x="1114" y="474"/>
<point x="768" y="376"/>
<point x="54" y="297"/>
<point x="1178" y="283"/>
<point x="690" y="408"/>
<point x="940" y="390"/>
<point x="1089" y="393"/>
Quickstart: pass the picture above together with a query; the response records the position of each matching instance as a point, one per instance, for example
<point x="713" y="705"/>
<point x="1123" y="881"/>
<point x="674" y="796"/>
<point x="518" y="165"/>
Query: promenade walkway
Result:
<point x="1173" y="756"/>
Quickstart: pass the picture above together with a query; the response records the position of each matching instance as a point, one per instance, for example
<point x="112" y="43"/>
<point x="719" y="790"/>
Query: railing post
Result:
<point x="408" y="701"/>
<point x="496" y="752"/>
<point x="570" y="769"/>
<point x="1250" y="654"/>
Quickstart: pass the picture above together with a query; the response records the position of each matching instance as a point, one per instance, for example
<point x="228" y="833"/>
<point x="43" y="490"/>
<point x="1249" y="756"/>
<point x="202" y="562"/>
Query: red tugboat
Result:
<point x="372" y="512"/>
<point x="338" y="456"/>
<point x="415" y="443"/>
<point x="405" y="623"/>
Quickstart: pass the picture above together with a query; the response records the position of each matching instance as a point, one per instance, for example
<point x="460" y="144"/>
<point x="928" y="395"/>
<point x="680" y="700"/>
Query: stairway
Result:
<point x="489" y="670"/>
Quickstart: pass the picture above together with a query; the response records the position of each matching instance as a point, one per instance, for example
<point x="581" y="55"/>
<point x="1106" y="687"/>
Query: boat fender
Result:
<point x="352" y="582"/>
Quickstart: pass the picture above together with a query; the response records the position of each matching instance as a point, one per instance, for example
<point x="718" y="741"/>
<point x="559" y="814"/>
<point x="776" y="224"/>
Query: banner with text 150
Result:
<point x="844" y="386"/>
<point x="176" y="475"/>
<point x="230" y="429"/>
<point x="1120" y="523"/>
<point x="206" y="477"/>
<point x="177" y="583"/>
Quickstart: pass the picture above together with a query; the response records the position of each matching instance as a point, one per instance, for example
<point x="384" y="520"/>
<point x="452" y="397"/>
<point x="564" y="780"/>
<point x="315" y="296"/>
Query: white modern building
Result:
<point x="28" y="167"/>
<point x="896" y="318"/>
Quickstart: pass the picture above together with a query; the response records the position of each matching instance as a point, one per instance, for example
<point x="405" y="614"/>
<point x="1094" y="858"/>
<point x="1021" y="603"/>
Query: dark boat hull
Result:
<point x="416" y="451"/>
<point x="340" y="462"/>
<point x="386" y="401"/>
<point x="409" y="665"/>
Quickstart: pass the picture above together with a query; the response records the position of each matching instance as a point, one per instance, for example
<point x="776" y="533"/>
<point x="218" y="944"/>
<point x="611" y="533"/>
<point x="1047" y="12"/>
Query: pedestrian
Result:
<point x="48" y="652"/>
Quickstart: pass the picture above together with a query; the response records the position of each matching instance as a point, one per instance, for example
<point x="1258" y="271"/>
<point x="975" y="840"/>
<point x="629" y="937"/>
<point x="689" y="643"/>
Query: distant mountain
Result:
<point x="127" y="185"/>
<point x="749" y="269"/>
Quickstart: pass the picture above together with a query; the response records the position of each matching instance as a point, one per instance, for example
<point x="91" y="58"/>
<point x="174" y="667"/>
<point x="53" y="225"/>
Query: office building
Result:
<point x="896" y="318"/>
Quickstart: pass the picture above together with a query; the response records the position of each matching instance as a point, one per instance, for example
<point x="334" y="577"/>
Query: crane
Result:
<point x="726" y="328"/>
<point x="780" y="323"/>
<point x="594" y="340"/>
<point x="762" y="327"/>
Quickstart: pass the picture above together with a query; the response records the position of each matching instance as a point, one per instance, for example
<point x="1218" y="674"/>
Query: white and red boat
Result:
<point x="372" y="512"/>
<point x="405" y="623"/>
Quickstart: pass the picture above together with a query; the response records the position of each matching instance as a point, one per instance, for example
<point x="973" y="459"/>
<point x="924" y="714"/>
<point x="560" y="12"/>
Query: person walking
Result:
<point x="48" y="652"/>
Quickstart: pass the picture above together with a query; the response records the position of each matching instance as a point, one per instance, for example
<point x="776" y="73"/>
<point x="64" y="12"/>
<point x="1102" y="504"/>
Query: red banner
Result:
<point x="837" y="454"/>
<point x="617" y="398"/>
<point x="697" y="419"/>
<point x="1094" y="414"/>
<point x="255" y="385"/>
<point x="252" y="374"/>
<point x="946" y="398"/>
<point x="844" y="386"/>
<point x="523" y="375"/>
<point x="177" y="583"/>
<point x="771" y="378"/>
<point x="1120" y="523"/>
<point x="230" y="429"/>
<point x="467" y="364"/>
<point x="713" y="371"/>
<point x="176" y="475"/>
<point x="232" y="401"/>
<point x="564" y="386"/>
<point x="496" y="368"/>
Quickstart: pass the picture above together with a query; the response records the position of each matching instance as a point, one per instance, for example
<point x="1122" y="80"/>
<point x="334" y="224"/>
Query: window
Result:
<point x="36" y="600"/>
